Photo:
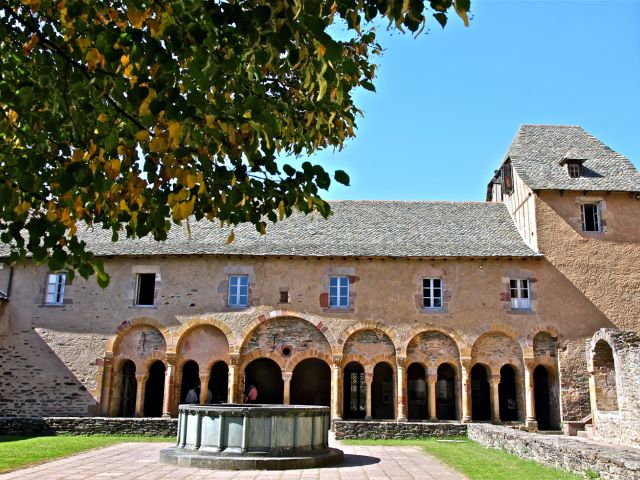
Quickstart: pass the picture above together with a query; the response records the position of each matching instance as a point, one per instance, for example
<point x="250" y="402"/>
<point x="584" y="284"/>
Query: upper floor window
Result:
<point x="55" y="288"/>
<point x="431" y="293"/>
<point x="339" y="292"/>
<point x="520" y="295"/>
<point x="145" y="289"/>
<point x="574" y="169"/>
<point x="591" y="217"/>
<point x="507" y="179"/>
<point x="238" y="290"/>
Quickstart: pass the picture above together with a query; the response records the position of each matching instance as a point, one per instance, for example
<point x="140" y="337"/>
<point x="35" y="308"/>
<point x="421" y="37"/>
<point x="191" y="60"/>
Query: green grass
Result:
<point x="478" y="462"/>
<point x="19" y="452"/>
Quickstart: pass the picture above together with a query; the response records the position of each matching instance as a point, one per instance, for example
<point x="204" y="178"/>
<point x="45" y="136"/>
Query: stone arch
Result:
<point x="495" y="349"/>
<point x="545" y="350"/>
<point x="293" y="361"/>
<point x="604" y="376"/>
<point x="127" y="325"/>
<point x="503" y="328"/>
<point x="528" y="343"/>
<point x="347" y="333"/>
<point x="278" y="314"/>
<point x="282" y="339"/>
<point x="461" y="345"/>
<point x="432" y="348"/>
<point x="203" y="343"/>
<point x="369" y="347"/>
<point x="179" y="335"/>
<point x="141" y="342"/>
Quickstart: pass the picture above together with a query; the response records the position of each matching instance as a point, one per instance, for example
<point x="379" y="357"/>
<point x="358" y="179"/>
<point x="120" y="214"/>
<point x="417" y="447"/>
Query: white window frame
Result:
<point x="339" y="291"/>
<point x="238" y="293"/>
<point x="597" y="221"/>
<point x="55" y="288"/>
<point x="429" y="296"/>
<point x="520" y="292"/>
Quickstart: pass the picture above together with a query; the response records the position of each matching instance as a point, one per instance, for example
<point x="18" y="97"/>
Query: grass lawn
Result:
<point x="20" y="452"/>
<point x="478" y="462"/>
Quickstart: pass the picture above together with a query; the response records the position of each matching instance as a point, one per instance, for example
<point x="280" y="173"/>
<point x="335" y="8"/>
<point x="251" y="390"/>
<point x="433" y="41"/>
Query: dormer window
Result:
<point x="507" y="179"/>
<point x="574" y="169"/>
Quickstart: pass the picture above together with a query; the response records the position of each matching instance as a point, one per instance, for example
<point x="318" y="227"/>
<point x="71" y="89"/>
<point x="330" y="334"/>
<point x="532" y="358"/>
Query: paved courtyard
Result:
<point x="140" y="461"/>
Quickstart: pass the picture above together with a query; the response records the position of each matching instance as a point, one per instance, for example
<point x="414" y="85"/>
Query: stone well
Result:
<point x="262" y="437"/>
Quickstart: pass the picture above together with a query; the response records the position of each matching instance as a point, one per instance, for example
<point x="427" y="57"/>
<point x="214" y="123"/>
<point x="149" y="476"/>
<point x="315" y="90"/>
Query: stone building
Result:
<point x="457" y="311"/>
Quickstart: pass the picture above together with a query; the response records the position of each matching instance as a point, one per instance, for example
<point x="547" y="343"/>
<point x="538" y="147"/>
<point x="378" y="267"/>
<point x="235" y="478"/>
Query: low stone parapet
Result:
<point x="609" y="462"/>
<point x="363" y="430"/>
<point x="151" y="427"/>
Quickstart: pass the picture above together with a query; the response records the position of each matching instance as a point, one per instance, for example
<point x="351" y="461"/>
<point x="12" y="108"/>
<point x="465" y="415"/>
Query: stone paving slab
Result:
<point x="140" y="461"/>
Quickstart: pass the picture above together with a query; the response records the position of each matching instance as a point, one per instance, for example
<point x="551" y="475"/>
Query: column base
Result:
<point x="466" y="420"/>
<point x="433" y="419"/>
<point x="368" y="418"/>
<point x="531" y="423"/>
<point x="402" y="419"/>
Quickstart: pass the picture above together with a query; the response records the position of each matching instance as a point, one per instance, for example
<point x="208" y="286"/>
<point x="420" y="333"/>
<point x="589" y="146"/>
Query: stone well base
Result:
<point x="185" y="458"/>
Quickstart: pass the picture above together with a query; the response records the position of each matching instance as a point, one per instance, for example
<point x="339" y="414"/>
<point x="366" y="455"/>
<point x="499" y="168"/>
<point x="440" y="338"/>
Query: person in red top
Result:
<point x="252" y="394"/>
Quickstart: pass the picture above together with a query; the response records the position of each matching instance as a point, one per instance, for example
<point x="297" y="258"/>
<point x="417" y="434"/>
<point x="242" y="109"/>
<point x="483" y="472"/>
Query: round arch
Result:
<point x="463" y="348"/>
<point x="181" y="333"/>
<point x="127" y="325"/>
<point x="360" y="326"/>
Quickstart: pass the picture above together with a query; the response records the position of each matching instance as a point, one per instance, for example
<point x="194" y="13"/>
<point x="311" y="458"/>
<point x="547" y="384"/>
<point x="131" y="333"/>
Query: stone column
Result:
<point x="286" y="378"/>
<point x="529" y="399"/>
<point x="336" y="377"/>
<point x="495" y="398"/>
<point x="141" y="381"/>
<point x="431" y="395"/>
<point x="107" y="372"/>
<point x="169" y="386"/>
<point x="368" y="376"/>
<point x="232" y="390"/>
<point x="466" y="390"/>
<point x="402" y="389"/>
<point x="204" y="387"/>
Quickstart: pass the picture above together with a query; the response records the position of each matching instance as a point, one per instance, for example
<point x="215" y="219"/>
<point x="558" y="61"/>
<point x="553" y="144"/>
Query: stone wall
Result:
<point x="614" y="362"/>
<point x="150" y="427"/>
<point x="560" y="452"/>
<point x="391" y="430"/>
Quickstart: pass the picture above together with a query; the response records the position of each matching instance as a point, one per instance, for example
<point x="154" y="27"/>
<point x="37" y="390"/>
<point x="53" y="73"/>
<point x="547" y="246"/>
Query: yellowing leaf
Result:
<point x="136" y="17"/>
<point x="83" y="43"/>
<point x="231" y="238"/>
<point x="190" y="181"/>
<point x="124" y="60"/>
<point x="142" y="136"/>
<point x="158" y="144"/>
<point x="22" y="207"/>
<point x="12" y="116"/>
<point x="175" y="130"/>
<point x="102" y="118"/>
<point x="461" y="11"/>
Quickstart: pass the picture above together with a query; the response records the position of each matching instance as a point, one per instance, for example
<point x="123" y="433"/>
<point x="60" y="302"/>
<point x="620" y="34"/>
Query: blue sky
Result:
<point x="449" y="102"/>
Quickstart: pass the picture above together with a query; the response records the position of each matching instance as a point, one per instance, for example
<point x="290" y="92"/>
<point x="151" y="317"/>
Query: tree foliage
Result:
<point x="133" y="115"/>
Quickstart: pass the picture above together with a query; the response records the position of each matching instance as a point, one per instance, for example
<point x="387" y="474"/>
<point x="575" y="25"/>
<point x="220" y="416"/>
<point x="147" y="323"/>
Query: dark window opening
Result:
<point x="507" y="179"/>
<point x="574" y="169"/>
<point x="590" y="217"/>
<point x="146" y="288"/>
<point x="284" y="296"/>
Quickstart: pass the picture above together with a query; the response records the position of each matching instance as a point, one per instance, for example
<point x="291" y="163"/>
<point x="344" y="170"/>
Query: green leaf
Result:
<point x="342" y="177"/>
<point x="441" y="18"/>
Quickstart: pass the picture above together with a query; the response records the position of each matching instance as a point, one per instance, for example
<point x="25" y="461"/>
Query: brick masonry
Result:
<point x="150" y="427"/>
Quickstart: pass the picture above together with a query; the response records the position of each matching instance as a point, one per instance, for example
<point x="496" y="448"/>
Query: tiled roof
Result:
<point x="537" y="150"/>
<point x="357" y="228"/>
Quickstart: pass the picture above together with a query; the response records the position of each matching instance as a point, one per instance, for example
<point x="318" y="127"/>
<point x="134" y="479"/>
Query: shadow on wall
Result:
<point x="41" y="382"/>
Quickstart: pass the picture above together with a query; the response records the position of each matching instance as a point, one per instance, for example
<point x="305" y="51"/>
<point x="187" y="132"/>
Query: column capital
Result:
<point x="286" y="376"/>
<point x="337" y="360"/>
<point x="465" y="363"/>
<point x="204" y="377"/>
<point x="107" y="357"/>
<point x="529" y="364"/>
<point x="234" y="359"/>
<point x="432" y="379"/>
<point x="495" y="379"/>
<point x="171" y="358"/>
<point x="401" y="362"/>
<point x="368" y="376"/>
<point x="141" y="377"/>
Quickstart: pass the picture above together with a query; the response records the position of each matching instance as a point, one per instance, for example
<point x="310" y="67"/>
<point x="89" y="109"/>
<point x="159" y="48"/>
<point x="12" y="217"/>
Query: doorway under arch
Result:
<point x="128" y="390"/>
<point x="382" y="392"/>
<point x="154" y="390"/>
<point x="417" y="392"/>
<point x="508" y="395"/>
<point x="311" y="383"/>
<point x="219" y="382"/>
<point x="354" y="392"/>
<point x="446" y="393"/>
<point x="266" y="376"/>
<point x="480" y="396"/>
<point x="546" y="400"/>
<point x="190" y="380"/>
